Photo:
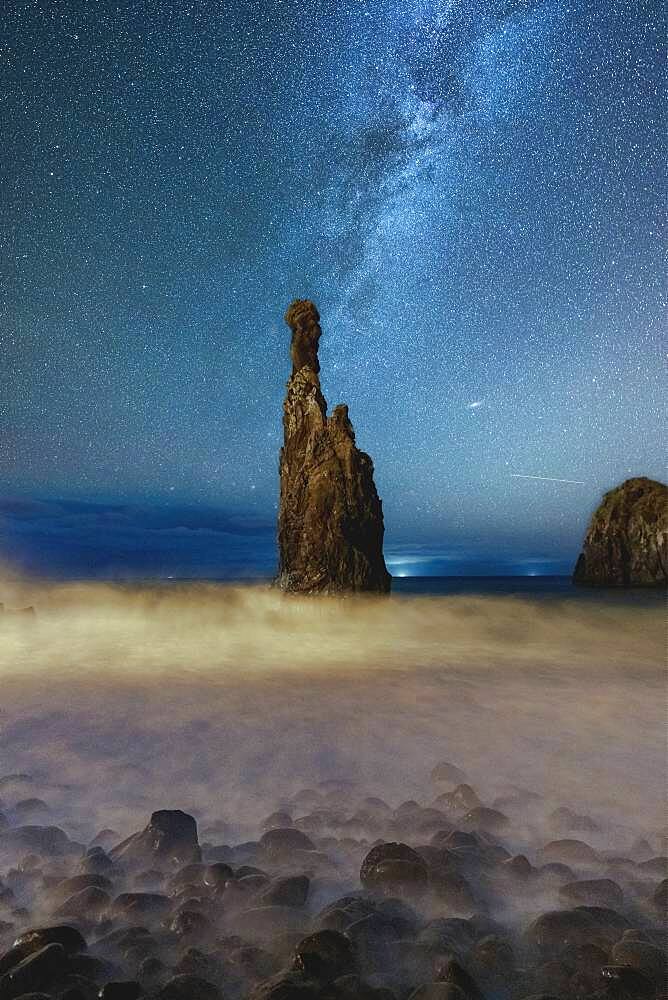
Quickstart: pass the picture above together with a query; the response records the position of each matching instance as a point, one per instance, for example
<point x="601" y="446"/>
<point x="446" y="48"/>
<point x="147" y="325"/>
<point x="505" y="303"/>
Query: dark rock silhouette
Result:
<point x="330" y="521"/>
<point x="170" y="838"/>
<point x="627" y="541"/>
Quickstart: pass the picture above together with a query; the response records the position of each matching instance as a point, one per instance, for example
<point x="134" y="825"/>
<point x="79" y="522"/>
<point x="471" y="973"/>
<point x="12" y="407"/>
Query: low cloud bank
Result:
<point x="222" y="700"/>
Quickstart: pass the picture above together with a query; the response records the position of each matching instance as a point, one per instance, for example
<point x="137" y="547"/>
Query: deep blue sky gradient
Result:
<point x="471" y="192"/>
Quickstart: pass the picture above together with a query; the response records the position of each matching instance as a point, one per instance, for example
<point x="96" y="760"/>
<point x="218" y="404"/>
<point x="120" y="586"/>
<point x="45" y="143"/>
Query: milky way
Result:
<point x="471" y="192"/>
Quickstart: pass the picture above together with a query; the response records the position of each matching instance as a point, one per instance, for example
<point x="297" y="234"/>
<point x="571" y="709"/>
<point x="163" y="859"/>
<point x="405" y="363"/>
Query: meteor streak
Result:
<point x="548" y="479"/>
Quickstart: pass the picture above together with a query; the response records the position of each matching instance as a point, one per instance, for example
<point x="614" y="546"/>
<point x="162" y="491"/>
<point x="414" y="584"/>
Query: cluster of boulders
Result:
<point x="338" y="897"/>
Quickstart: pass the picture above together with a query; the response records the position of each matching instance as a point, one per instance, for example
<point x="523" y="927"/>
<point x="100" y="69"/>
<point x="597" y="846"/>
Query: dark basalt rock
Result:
<point x="438" y="991"/>
<point x="38" y="970"/>
<point x="169" y="839"/>
<point x="382" y="853"/>
<point x="630" y="981"/>
<point x="626" y="544"/>
<point x="189" y="988"/>
<point x="290" y="891"/>
<point x="126" y="990"/>
<point x="86" y="903"/>
<point x="569" y="852"/>
<point x="597" y="891"/>
<point x="47" y="841"/>
<point x="325" y="955"/>
<point x="330" y="520"/>
<point x="35" y="939"/>
<point x="140" y="905"/>
<point x="284" y="841"/>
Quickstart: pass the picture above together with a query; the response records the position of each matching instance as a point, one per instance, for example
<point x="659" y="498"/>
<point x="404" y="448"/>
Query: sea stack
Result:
<point x="626" y="544"/>
<point x="330" y="518"/>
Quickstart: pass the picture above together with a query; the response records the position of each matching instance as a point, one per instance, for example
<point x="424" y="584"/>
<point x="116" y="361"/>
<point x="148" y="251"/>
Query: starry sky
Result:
<point x="471" y="192"/>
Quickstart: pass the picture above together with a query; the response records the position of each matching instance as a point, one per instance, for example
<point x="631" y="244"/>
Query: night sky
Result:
<point x="472" y="193"/>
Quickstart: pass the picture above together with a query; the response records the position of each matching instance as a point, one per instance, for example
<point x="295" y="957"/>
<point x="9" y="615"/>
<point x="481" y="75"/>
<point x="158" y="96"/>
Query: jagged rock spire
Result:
<point x="330" y="519"/>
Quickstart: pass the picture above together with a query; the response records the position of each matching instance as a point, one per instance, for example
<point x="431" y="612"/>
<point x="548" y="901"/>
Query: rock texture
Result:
<point x="169" y="839"/>
<point x="330" y="521"/>
<point x="627" y="541"/>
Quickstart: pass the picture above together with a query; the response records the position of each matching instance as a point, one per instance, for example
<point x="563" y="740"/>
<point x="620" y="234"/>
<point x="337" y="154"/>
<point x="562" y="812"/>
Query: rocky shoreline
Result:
<point x="340" y="896"/>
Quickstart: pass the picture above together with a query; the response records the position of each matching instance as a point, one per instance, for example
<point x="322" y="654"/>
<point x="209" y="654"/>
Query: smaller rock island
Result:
<point x="330" y="519"/>
<point x="626" y="544"/>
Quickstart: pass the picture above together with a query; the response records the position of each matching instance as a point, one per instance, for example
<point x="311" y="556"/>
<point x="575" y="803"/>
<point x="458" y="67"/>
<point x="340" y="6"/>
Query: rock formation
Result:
<point x="627" y="541"/>
<point x="169" y="839"/>
<point x="330" y="520"/>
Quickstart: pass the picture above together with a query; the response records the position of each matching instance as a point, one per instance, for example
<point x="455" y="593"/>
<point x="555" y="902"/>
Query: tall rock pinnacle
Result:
<point x="627" y="540"/>
<point x="330" y="519"/>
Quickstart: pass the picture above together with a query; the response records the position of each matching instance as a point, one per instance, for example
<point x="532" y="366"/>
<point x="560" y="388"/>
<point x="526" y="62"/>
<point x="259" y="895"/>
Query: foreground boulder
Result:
<point x="626" y="544"/>
<point x="169" y="840"/>
<point x="330" y="519"/>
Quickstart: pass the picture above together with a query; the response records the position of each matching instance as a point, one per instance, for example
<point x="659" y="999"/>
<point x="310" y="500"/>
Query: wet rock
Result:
<point x="277" y="820"/>
<point x="556" y="930"/>
<point x="141" y="905"/>
<point x="453" y="889"/>
<point x="67" y="887"/>
<point x="564" y="820"/>
<point x="96" y="861"/>
<point x="597" y="891"/>
<point x="290" y="891"/>
<point x="151" y="969"/>
<point x="38" y="970"/>
<point x="655" y="866"/>
<point x="660" y="897"/>
<point x="555" y="976"/>
<point x="453" y="972"/>
<point x="284" y="841"/>
<point x="626" y="544"/>
<point x="461" y="800"/>
<point x="35" y="939"/>
<point x="555" y="871"/>
<point x="170" y="839"/>
<point x="375" y="941"/>
<point x="641" y="955"/>
<point x="330" y="522"/>
<point x="88" y="903"/>
<point x="126" y="990"/>
<point x="189" y="875"/>
<point x="447" y="935"/>
<point x="484" y="818"/>
<point x="254" y="963"/>
<point x="518" y="867"/>
<point x="493" y="957"/>
<point x="610" y="923"/>
<point x="438" y="991"/>
<point x="288" y="986"/>
<point x="265" y="922"/>
<point x="186" y="987"/>
<point x="31" y="810"/>
<point x="47" y="841"/>
<point x="192" y="925"/>
<point x="216" y="875"/>
<point x="569" y="852"/>
<point x="628" y="982"/>
<point x="396" y="876"/>
<point x="382" y="853"/>
<point x="325" y="956"/>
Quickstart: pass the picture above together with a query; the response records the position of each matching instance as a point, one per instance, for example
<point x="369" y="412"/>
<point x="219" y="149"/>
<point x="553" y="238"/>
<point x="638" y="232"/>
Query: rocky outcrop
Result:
<point x="627" y="541"/>
<point x="169" y="839"/>
<point x="330" y="520"/>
